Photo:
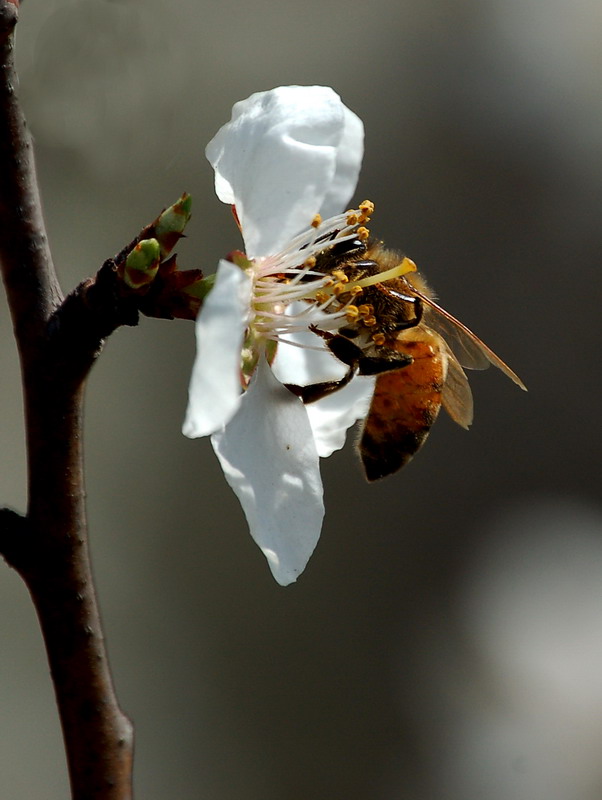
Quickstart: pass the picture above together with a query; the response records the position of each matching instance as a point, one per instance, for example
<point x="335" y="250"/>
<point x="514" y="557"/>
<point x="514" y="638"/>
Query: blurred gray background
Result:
<point x="446" y="638"/>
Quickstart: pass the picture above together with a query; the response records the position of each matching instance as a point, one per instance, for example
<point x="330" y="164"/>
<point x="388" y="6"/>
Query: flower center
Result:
<point x="300" y="286"/>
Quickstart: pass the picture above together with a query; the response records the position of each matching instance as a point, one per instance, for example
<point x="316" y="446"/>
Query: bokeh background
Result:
<point x="446" y="638"/>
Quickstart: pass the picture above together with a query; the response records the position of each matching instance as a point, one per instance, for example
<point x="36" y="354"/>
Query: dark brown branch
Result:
<point x="49" y="547"/>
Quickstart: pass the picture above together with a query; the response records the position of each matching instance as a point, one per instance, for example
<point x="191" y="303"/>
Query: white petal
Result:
<point x="349" y="162"/>
<point x="269" y="459"/>
<point x="304" y="366"/>
<point x="283" y="156"/>
<point x="214" y="392"/>
<point x="331" y="417"/>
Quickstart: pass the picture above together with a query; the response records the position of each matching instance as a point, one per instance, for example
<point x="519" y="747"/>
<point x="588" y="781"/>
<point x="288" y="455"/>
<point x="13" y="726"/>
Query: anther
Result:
<point x="356" y="290"/>
<point x="352" y="218"/>
<point x="352" y="312"/>
<point x="363" y="234"/>
<point x="366" y="310"/>
<point x="340" y="276"/>
<point x="310" y="262"/>
<point x="369" y="321"/>
<point x="316" y="221"/>
<point x="379" y="339"/>
<point x="367" y="207"/>
<point x="339" y="288"/>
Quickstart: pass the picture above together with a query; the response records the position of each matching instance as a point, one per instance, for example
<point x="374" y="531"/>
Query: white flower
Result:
<point x="286" y="157"/>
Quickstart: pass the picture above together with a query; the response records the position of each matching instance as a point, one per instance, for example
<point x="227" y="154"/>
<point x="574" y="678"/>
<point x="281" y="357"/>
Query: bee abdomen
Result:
<point x="404" y="407"/>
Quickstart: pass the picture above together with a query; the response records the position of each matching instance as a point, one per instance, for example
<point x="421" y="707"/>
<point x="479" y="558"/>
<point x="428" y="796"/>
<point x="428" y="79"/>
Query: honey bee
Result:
<point x="416" y="349"/>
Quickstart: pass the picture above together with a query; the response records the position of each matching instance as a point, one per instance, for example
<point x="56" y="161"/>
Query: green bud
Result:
<point x="171" y="223"/>
<point x="239" y="259"/>
<point x="142" y="263"/>
<point x="200" y="289"/>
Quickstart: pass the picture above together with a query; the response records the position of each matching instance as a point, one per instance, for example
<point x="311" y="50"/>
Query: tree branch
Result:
<point x="49" y="547"/>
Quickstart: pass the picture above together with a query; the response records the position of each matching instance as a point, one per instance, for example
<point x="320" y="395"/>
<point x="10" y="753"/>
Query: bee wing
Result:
<point x="457" y="396"/>
<point x="469" y="350"/>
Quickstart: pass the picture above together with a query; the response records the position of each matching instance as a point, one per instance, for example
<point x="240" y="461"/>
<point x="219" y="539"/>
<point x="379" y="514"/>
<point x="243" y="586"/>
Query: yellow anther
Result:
<point x="379" y="339"/>
<point x="352" y="312"/>
<point x="369" y="321"/>
<point x="352" y="218"/>
<point x="310" y="262"/>
<point x="363" y="218"/>
<point x="366" y="310"/>
<point x="367" y="207"/>
<point x="322" y="297"/>
<point x="316" y="221"/>
<point x="338" y="289"/>
<point x="356" y="290"/>
<point x="340" y="276"/>
<point x="363" y="234"/>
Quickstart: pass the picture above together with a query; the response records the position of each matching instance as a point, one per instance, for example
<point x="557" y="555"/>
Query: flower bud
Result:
<point x="170" y="224"/>
<point x="142" y="264"/>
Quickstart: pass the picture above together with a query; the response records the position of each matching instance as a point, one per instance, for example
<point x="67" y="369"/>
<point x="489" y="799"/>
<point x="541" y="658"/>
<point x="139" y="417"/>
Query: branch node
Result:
<point x="14" y="533"/>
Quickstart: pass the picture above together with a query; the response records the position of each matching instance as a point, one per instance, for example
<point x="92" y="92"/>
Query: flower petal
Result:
<point x="214" y="392"/>
<point x="269" y="459"/>
<point x="331" y="417"/>
<point x="284" y="155"/>
<point x="349" y="162"/>
<point x="306" y="360"/>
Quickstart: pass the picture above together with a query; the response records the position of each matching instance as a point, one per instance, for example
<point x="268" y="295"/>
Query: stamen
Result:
<point x="379" y="339"/>
<point x="352" y="312"/>
<point x="363" y="234"/>
<point x="316" y="221"/>
<point x="369" y="321"/>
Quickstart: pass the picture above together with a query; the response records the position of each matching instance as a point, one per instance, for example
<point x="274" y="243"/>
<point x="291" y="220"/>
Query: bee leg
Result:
<point x="347" y="352"/>
<point x="317" y="391"/>
<point x="418" y="311"/>
<point x="352" y="355"/>
<point x="376" y="365"/>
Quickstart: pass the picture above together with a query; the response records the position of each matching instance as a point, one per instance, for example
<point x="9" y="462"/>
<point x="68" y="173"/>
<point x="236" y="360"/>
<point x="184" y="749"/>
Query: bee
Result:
<point x="399" y="333"/>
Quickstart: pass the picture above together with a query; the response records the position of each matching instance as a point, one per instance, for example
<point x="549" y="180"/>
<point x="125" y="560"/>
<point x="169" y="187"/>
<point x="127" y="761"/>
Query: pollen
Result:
<point x="316" y="221"/>
<point x="370" y="321"/>
<point x="363" y="234"/>
<point x="366" y="310"/>
<point x="352" y="312"/>
<point x="340" y="276"/>
<point x="356" y="290"/>
<point x="366" y="211"/>
<point x="310" y="262"/>
<point x="352" y="218"/>
<point x="322" y="297"/>
<point x="339" y="288"/>
<point x="379" y="339"/>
